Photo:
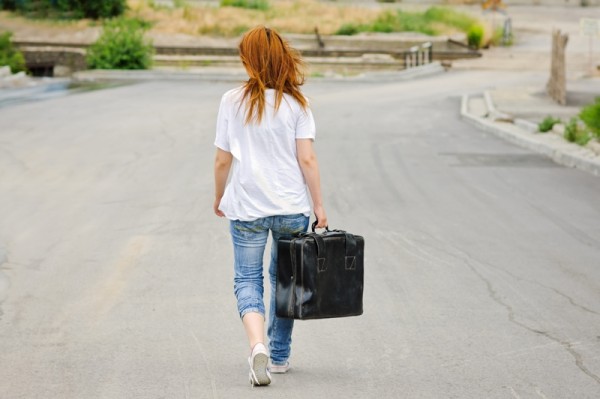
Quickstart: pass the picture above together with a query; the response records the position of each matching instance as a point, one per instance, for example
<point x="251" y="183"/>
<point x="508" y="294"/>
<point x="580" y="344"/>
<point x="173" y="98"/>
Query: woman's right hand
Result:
<point x="216" y="204"/>
<point x="321" y="217"/>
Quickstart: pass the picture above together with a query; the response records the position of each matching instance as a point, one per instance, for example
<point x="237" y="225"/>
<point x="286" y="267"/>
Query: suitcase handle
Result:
<point x="314" y="226"/>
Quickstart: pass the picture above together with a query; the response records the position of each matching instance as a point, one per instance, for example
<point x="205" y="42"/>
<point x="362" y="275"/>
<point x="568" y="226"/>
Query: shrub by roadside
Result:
<point x="434" y="20"/>
<point x="9" y="56"/>
<point x="590" y="115"/>
<point x="576" y="133"/>
<point x="580" y="130"/>
<point x="248" y="4"/>
<point x="547" y="124"/>
<point x="121" y="46"/>
<point x="475" y="36"/>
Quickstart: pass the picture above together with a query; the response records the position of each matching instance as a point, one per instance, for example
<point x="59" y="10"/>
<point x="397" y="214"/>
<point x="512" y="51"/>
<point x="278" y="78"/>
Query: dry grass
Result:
<point x="299" y="16"/>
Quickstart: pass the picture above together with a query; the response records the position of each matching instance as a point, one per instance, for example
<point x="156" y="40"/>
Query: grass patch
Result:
<point x="295" y="16"/>
<point x="247" y="4"/>
<point x="576" y="133"/>
<point x="547" y="124"/>
<point x="434" y="21"/>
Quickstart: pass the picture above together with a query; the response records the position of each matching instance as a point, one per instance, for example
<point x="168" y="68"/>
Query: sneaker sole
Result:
<point x="279" y="369"/>
<point x="258" y="371"/>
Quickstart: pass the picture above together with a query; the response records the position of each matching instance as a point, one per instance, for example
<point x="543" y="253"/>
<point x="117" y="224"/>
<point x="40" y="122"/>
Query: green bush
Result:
<point x="101" y="8"/>
<point x="450" y="17"/>
<point x="348" y="30"/>
<point x="590" y="115"/>
<point x="9" y="56"/>
<point x="71" y="8"/>
<point x="249" y="4"/>
<point x="475" y="36"/>
<point x="575" y="134"/>
<point x="547" y="124"/>
<point x="121" y="46"/>
<point x="400" y="21"/>
<point x="427" y="22"/>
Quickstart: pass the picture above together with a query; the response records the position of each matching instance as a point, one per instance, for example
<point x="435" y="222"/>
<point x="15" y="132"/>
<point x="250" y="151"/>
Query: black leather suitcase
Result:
<point x="320" y="275"/>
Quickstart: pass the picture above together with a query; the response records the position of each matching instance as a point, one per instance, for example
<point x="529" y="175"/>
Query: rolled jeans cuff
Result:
<point x="252" y="310"/>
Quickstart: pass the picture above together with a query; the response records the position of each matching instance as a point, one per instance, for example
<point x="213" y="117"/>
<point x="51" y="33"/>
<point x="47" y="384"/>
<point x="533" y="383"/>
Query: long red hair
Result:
<point x="271" y="64"/>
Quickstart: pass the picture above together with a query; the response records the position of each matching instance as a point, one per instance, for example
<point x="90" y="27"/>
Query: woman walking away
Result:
<point x="265" y="130"/>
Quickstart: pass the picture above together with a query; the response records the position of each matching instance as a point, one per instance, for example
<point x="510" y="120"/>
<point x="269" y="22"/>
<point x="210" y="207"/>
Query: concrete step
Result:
<point x="362" y="63"/>
<point x="477" y="106"/>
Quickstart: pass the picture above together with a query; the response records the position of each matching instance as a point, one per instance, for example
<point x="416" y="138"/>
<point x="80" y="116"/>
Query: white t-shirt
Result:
<point x="266" y="179"/>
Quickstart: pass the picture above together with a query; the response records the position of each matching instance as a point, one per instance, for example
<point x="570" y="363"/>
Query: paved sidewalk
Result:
<point x="514" y="112"/>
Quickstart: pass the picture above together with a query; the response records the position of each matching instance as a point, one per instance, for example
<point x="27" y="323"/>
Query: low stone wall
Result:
<point x="63" y="60"/>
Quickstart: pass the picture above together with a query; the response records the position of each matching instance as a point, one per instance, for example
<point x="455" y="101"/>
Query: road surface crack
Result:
<point x="568" y="346"/>
<point x="469" y="261"/>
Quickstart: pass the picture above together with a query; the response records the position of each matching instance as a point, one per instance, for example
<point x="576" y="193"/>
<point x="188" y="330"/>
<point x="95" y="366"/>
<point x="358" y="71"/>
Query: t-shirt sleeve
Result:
<point x="222" y="138"/>
<point x="305" y="126"/>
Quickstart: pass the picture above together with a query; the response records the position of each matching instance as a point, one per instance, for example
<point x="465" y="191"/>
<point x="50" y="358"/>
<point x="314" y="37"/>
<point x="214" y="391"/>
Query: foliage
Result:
<point x="9" y="56"/>
<point x="475" y="36"/>
<point x="498" y="38"/>
<point x="121" y="46"/>
<point x="69" y="8"/>
<point x="450" y="17"/>
<point x="348" y="29"/>
<point x="590" y="115"/>
<point x="427" y="22"/>
<point x="575" y="133"/>
<point x="162" y="6"/>
<point x="249" y="4"/>
<point x="547" y="124"/>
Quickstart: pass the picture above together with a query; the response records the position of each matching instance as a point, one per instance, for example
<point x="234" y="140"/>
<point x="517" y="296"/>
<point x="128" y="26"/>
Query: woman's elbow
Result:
<point x="307" y="161"/>
<point x="222" y="160"/>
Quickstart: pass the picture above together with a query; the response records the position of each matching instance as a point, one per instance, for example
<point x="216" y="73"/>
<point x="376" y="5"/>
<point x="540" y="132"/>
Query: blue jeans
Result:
<point x="249" y="241"/>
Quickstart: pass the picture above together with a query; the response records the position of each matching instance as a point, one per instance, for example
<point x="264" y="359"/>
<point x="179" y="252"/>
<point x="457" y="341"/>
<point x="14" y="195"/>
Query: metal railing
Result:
<point x="418" y="55"/>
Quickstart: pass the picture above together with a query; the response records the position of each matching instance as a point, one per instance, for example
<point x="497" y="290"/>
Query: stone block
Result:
<point x="4" y="71"/>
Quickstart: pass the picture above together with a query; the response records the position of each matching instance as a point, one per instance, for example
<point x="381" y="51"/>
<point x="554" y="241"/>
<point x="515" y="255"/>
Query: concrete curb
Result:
<point x="39" y="90"/>
<point x="238" y="75"/>
<point x="405" y="74"/>
<point x="210" y="74"/>
<point x="519" y="133"/>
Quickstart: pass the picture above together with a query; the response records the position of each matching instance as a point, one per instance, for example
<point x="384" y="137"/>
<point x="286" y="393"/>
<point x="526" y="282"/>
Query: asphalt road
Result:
<point x="482" y="269"/>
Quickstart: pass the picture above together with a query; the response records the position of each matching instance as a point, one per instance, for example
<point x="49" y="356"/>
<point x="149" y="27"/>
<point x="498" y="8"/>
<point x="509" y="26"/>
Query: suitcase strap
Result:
<point x="351" y="250"/>
<point x="292" y="299"/>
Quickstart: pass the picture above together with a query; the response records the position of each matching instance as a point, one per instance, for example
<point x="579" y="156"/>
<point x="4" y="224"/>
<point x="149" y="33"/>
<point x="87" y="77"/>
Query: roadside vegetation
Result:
<point x="232" y="17"/>
<point x="9" y="56"/>
<point x="121" y="46"/>
<point x="590" y="115"/>
<point x="249" y="4"/>
<point x="580" y="129"/>
<point x="547" y="124"/>
<point x="66" y="8"/>
<point x="433" y="21"/>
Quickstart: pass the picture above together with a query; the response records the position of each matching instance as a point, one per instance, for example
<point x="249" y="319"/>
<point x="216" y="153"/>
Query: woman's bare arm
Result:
<point x="223" y="161"/>
<point x="307" y="159"/>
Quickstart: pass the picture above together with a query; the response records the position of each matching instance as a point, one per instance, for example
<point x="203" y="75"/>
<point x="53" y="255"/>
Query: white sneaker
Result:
<point x="258" y="360"/>
<point x="279" y="368"/>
